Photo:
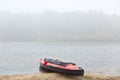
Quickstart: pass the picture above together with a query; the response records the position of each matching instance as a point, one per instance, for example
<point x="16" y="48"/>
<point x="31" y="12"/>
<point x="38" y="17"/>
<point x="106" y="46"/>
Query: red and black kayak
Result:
<point x="67" y="68"/>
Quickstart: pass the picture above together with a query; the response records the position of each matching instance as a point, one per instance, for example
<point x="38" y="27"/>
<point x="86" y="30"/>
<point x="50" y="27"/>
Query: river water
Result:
<point x="23" y="58"/>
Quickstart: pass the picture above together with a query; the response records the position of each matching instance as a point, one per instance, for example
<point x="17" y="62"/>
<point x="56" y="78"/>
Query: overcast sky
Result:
<point x="108" y="6"/>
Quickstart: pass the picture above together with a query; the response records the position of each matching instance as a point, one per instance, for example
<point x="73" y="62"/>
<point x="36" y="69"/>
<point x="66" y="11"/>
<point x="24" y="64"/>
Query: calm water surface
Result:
<point x="19" y="58"/>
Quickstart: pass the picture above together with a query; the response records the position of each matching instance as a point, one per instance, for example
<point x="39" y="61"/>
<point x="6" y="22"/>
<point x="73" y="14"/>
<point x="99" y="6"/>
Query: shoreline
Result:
<point x="57" y="76"/>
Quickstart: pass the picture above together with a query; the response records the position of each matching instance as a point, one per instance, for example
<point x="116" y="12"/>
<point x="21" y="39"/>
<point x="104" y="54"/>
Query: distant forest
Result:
<point x="60" y="26"/>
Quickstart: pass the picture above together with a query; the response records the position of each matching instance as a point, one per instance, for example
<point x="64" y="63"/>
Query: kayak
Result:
<point x="55" y="65"/>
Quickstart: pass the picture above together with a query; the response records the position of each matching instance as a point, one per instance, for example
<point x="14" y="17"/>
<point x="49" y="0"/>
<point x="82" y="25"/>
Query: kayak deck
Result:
<point x="67" y="68"/>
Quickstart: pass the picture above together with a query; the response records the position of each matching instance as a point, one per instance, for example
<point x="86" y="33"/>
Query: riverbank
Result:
<point x="56" y="76"/>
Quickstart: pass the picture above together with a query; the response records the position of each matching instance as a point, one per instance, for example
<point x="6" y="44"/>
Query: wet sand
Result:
<point x="56" y="76"/>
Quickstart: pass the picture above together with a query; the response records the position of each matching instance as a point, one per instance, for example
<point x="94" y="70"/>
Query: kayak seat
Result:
<point x="58" y="62"/>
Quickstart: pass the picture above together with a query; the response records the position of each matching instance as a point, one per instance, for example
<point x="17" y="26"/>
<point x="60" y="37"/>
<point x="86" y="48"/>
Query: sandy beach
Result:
<point x="56" y="76"/>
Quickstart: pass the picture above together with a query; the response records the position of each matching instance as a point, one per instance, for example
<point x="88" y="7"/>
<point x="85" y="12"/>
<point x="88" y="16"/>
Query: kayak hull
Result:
<point x="79" y="72"/>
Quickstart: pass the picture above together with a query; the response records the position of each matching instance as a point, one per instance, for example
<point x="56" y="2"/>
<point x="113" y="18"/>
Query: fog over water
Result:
<point x="56" y="26"/>
<point x="86" y="32"/>
<point x="59" y="20"/>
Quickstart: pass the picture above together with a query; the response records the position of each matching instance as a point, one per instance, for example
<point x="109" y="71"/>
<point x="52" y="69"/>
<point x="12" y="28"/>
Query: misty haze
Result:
<point x="93" y="25"/>
<point x="71" y="37"/>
